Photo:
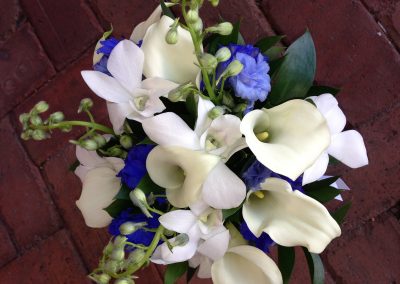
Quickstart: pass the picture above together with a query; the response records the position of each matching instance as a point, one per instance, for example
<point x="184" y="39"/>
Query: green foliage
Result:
<point x="268" y="42"/>
<point x="286" y="259"/>
<point x="174" y="271"/>
<point x="148" y="186"/>
<point x="315" y="266"/>
<point x="296" y="74"/>
<point x="321" y="190"/>
<point x="117" y="206"/>
<point x="181" y="109"/>
<point x="73" y="166"/>
<point x="166" y="10"/>
<point x="341" y="212"/>
<point x="319" y="90"/>
<point x="226" y="213"/>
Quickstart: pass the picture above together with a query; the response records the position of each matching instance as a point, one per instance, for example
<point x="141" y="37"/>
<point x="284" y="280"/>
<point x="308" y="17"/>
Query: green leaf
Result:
<point x="117" y="206"/>
<point x="123" y="193"/>
<point x="166" y="10"/>
<point x="323" y="194"/>
<point x="191" y="105"/>
<point x="341" y="212"/>
<point x="274" y="65"/>
<point x="138" y="133"/>
<point x="275" y="52"/>
<point x="148" y="186"/>
<point x="190" y="273"/>
<point x="296" y="74"/>
<point x="315" y="266"/>
<point x="226" y="213"/>
<point x="320" y="183"/>
<point x="286" y="258"/>
<point x="319" y="90"/>
<point x="174" y="271"/>
<point x="268" y="42"/>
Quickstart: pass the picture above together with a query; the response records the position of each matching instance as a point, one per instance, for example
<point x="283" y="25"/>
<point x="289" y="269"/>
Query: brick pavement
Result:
<point x="43" y="46"/>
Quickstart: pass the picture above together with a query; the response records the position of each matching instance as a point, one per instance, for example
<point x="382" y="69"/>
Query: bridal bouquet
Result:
<point x="217" y="152"/>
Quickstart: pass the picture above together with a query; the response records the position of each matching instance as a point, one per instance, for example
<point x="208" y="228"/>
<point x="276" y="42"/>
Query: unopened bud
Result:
<point x="215" y="112"/>
<point x="89" y="144"/>
<point x="57" y="117"/>
<point x="128" y="228"/>
<point x="180" y="240"/>
<point x="108" y="249"/>
<point x="198" y="25"/>
<point x="124" y="281"/>
<point x="103" y="278"/>
<point x="120" y="241"/>
<point x="240" y="108"/>
<point x="114" y="151"/>
<point x="36" y="120"/>
<point x="223" y="54"/>
<point x="228" y="100"/>
<point x="224" y="28"/>
<point x="192" y="16"/>
<point x="38" y="134"/>
<point x="214" y="2"/>
<point x="172" y="36"/>
<point x="180" y="93"/>
<point x="138" y="199"/>
<point x="136" y="256"/>
<point x="100" y="140"/>
<point x="25" y="135"/>
<point x="85" y="105"/>
<point x="208" y="62"/>
<point x="24" y="118"/>
<point x="118" y="254"/>
<point x="111" y="266"/>
<point x="41" y="106"/>
<point x="234" y="68"/>
<point x="126" y="141"/>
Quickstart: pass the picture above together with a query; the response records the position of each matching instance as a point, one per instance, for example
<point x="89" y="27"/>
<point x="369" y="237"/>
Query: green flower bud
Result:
<point x="180" y="93"/>
<point x="100" y="140"/>
<point x="36" y="120"/>
<point x="138" y="199"/>
<point x="233" y="69"/>
<point x="115" y="151"/>
<point x="128" y="228"/>
<point x="66" y="128"/>
<point x="228" y="100"/>
<point x="208" y="62"/>
<point x="136" y="256"/>
<point x="25" y="135"/>
<point x="180" y="240"/>
<point x="38" y="134"/>
<point x="223" y="54"/>
<point x="240" y="108"/>
<point x="118" y="254"/>
<point x="192" y="16"/>
<point x="216" y="112"/>
<point x="224" y="28"/>
<point x="111" y="266"/>
<point x="108" y="248"/>
<point x="172" y="36"/>
<point x="214" y="2"/>
<point x="85" y="105"/>
<point x="126" y="141"/>
<point x="103" y="278"/>
<point x="41" y="106"/>
<point x="57" y="117"/>
<point x="24" y="118"/>
<point x="120" y="241"/>
<point x="198" y="26"/>
<point x="89" y="144"/>
<point x="124" y="281"/>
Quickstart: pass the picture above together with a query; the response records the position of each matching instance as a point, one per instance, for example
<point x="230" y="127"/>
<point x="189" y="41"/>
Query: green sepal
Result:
<point x="320" y="183"/>
<point x="266" y="43"/>
<point x="175" y="271"/>
<point x="315" y="267"/>
<point x="319" y="90"/>
<point x="166" y="10"/>
<point x="286" y="260"/>
<point x="296" y="74"/>
<point x="341" y="212"/>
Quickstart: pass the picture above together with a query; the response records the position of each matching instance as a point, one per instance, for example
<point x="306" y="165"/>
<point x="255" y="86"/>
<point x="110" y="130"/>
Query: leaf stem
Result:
<point x="63" y="124"/>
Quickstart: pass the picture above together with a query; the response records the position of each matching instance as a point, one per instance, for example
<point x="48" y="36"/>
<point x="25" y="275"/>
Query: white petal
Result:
<point x="168" y="129"/>
<point x="181" y="171"/>
<point x="289" y="217"/>
<point x="175" y="62"/>
<point x="298" y="134"/>
<point x="317" y="170"/>
<point x="126" y="64"/>
<point x="203" y="121"/>
<point x="245" y="264"/>
<point x="199" y="207"/>
<point x="216" y="246"/>
<point x="205" y="268"/>
<point x="223" y="189"/>
<point x="106" y="87"/>
<point x="349" y="148"/>
<point x="118" y="113"/>
<point x="98" y="190"/>
<point x="161" y="86"/>
<point x="88" y="158"/>
<point x="178" y="220"/>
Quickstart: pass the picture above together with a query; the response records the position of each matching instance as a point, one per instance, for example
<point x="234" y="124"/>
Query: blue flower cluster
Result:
<point x="140" y="236"/>
<point x="135" y="165"/>
<point x="253" y="83"/>
<point x="107" y="46"/>
<point x="264" y="242"/>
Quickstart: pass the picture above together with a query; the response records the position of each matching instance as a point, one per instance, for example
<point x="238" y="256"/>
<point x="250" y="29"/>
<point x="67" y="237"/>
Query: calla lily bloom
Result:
<point x="245" y="264"/>
<point x="127" y="95"/>
<point x="287" y="138"/>
<point x="346" y="146"/>
<point x="289" y="217"/>
<point x="99" y="186"/>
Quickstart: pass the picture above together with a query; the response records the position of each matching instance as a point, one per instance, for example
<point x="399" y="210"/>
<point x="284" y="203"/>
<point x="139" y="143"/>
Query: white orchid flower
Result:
<point x="289" y="217"/>
<point x="182" y="151"/>
<point x="346" y="146"/>
<point x="100" y="184"/>
<point x="205" y="230"/>
<point x="245" y="264"/>
<point x="126" y="94"/>
<point x="287" y="138"/>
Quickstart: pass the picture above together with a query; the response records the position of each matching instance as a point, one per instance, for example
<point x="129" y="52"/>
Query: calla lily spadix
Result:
<point x="99" y="186"/>
<point x="127" y="95"/>
<point x="245" y="264"/>
<point x="287" y="138"/>
<point x="346" y="146"/>
<point x="289" y="217"/>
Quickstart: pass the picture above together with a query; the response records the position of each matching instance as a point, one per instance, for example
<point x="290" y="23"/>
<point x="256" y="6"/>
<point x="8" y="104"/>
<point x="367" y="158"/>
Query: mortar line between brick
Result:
<point x="271" y="23"/>
<point x="12" y="239"/>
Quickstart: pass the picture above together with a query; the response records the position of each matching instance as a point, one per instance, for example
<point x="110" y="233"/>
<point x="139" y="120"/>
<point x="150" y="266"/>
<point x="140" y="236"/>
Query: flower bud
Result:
<point x="180" y="93"/>
<point x="115" y="151"/>
<point x="223" y="54"/>
<point x="138" y="199"/>
<point x="124" y="281"/>
<point x="234" y="68"/>
<point x="172" y="36"/>
<point x="89" y="144"/>
<point x="24" y="118"/>
<point x="228" y="100"/>
<point x="128" y="228"/>
<point x="192" y="16"/>
<point x="41" y="106"/>
<point x="111" y="266"/>
<point x="126" y="141"/>
<point x="136" y="256"/>
<point x="216" y="112"/>
<point x="57" y="117"/>
<point x="108" y="248"/>
<point x="100" y="140"/>
<point x="120" y="241"/>
<point x="36" y="120"/>
<point x="224" y="28"/>
<point x="85" y="105"/>
<point x="180" y="240"/>
<point x="103" y="278"/>
<point x="208" y="62"/>
<point x="240" y="108"/>
<point x="38" y="134"/>
<point x="214" y="2"/>
<point x="198" y="26"/>
<point x="118" y="254"/>
<point x="26" y="135"/>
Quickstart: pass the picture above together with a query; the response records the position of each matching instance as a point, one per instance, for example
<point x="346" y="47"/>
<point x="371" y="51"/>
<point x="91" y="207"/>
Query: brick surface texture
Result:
<point x="44" y="44"/>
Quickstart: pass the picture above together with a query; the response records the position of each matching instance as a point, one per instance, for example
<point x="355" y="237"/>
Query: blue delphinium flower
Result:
<point x="107" y="46"/>
<point x="135" y="165"/>
<point x="253" y="83"/>
<point x="256" y="173"/>
<point x="140" y="236"/>
<point x="264" y="242"/>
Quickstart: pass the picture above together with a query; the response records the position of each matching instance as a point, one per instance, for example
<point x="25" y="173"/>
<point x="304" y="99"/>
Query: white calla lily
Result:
<point x="245" y="264"/>
<point x="126" y="94"/>
<point x="179" y="65"/>
<point x="99" y="186"/>
<point x="346" y="146"/>
<point x="287" y="138"/>
<point x="291" y="218"/>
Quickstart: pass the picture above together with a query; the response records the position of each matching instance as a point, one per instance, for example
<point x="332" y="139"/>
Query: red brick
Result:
<point x="7" y="249"/>
<point x="10" y="20"/>
<point x="352" y="54"/>
<point x="23" y="68"/>
<point x="54" y="261"/>
<point x="63" y="94"/>
<point x="370" y="254"/>
<point x="65" y="27"/>
<point x="26" y="207"/>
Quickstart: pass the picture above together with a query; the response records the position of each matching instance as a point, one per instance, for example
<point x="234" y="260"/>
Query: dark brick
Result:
<point x="53" y="261"/>
<point x="369" y="254"/>
<point x="353" y="55"/>
<point x="23" y="68"/>
<point x="26" y="207"/>
<point x="63" y="94"/>
<point x="65" y="27"/>
<point x="7" y="249"/>
<point x="10" y="20"/>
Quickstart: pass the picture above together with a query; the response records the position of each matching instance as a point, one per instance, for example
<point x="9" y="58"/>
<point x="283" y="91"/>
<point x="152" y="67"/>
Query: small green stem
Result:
<point x="62" y="124"/>
<point x="155" y="211"/>
<point x="90" y="116"/>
